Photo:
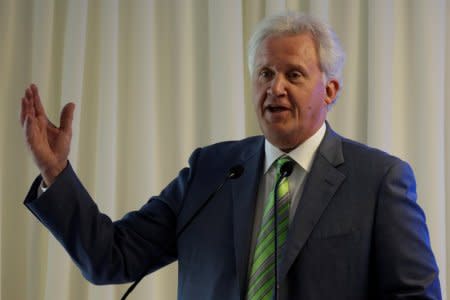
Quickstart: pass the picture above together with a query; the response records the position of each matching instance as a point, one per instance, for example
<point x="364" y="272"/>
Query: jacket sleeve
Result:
<point x="111" y="252"/>
<point x="406" y="267"/>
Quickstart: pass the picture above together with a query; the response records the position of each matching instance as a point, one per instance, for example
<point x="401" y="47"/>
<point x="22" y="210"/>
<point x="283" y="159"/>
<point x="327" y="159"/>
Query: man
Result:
<point x="348" y="224"/>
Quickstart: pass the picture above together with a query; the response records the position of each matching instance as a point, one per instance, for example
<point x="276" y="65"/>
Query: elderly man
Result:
<point x="306" y="213"/>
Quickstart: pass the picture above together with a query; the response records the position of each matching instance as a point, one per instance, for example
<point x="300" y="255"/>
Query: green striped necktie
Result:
<point x="262" y="274"/>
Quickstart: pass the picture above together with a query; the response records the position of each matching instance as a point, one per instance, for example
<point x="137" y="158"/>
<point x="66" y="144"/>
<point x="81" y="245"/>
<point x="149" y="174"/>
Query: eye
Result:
<point x="295" y="75"/>
<point x="265" y="74"/>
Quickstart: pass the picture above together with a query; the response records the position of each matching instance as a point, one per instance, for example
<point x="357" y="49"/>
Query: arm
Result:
<point x="406" y="267"/>
<point x="105" y="251"/>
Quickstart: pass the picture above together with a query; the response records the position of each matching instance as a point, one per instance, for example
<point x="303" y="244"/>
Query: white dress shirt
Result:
<point x="303" y="156"/>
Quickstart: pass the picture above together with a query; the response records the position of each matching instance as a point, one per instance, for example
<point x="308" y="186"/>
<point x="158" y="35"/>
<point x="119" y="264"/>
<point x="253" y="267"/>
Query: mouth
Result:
<point x="276" y="108"/>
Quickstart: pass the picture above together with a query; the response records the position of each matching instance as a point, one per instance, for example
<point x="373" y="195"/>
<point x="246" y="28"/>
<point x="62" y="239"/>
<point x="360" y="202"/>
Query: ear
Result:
<point x="331" y="90"/>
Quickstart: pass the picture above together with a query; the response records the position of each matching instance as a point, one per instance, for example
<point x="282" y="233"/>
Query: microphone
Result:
<point x="233" y="173"/>
<point x="285" y="171"/>
<point x="287" y="168"/>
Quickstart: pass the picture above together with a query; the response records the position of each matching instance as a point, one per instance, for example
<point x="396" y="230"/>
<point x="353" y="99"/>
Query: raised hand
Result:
<point x="49" y="145"/>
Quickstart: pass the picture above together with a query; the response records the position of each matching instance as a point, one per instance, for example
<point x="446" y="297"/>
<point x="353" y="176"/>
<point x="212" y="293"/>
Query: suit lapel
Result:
<point x="244" y="191"/>
<point x="322" y="182"/>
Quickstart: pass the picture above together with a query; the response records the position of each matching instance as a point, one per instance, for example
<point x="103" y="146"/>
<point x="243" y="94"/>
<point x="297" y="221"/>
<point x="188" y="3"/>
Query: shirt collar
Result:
<point x="303" y="155"/>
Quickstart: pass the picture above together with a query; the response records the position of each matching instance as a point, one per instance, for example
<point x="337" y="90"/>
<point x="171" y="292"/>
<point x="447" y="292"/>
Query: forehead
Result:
<point x="299" y="47"/>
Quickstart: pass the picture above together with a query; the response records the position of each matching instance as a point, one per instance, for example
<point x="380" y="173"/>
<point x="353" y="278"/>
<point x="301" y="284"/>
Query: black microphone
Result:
<point x="233" y="173"/>
<point x="287" y="168"/>
<point x="285" y="171"/>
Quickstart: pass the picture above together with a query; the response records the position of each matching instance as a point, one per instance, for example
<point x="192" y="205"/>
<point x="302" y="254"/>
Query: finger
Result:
<point x="26" y="109"/>
<point x="29" y="129"/>
<point x="29" y="101"/>
<point x="23" y="111"/>
<point x="67" y="117"/>
<point x="37" y="100"/>
<point x="32" y="111"/>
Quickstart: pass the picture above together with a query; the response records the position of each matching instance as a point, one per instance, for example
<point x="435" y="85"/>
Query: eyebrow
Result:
<point x="302" y="68"/>
<point x="297" y="66"/>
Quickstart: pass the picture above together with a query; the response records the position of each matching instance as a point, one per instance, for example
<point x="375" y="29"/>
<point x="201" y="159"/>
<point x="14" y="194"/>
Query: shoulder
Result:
<point x="227" y="153"/>
<point x="245" y="146"/>
<point x="358" y="157"/>
<point x="235" y="145"/>
<point x="354" y="150"/>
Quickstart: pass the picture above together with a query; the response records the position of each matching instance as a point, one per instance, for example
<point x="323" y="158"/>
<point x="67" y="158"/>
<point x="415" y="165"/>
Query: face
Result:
<point x="290" y="96"/>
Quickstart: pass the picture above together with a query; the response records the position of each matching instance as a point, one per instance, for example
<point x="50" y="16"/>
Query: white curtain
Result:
<point x="154" y="79"/>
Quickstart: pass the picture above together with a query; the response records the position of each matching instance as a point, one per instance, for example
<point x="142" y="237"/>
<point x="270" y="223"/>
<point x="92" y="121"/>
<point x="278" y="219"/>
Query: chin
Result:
<point x="282" y="142"/>
<point x="287" y="148"/>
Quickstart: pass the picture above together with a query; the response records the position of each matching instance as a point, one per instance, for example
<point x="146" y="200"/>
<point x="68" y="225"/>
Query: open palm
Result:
<point x="49" y="145"/>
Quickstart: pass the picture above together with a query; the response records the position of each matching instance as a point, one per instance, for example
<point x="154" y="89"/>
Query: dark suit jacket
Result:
<point x="357" y="233"/>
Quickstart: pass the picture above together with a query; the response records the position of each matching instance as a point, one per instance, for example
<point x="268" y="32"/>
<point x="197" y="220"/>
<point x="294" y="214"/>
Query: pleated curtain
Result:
<point x="152" y="80"/>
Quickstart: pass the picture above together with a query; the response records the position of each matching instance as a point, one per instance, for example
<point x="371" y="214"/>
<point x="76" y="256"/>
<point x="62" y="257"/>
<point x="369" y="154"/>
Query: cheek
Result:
<point x="255" y="103"/>
<point x="307" y="101"/>
<point x="317" y="98"/>
<point x="319" y="93"/>
<point x="258" y="98"/>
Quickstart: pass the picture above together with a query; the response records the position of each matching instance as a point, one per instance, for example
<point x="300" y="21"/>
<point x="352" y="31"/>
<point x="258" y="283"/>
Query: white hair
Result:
<point x="331" y="54"/>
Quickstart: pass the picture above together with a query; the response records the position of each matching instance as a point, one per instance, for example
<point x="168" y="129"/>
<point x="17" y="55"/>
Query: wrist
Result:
<point x="50" y="174"/>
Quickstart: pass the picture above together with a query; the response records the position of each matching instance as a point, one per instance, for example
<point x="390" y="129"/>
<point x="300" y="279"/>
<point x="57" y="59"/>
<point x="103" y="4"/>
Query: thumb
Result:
<point x="67" y="117"/>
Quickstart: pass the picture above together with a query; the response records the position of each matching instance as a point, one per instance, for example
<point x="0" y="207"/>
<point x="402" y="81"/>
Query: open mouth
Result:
<point x="275" y="109"/>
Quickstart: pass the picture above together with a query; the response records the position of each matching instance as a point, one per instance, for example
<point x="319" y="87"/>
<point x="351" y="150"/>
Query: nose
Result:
<point x="277" y="86"/>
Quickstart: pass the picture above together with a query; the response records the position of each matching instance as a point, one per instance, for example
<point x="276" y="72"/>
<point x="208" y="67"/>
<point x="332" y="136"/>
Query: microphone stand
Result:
<point x="234" y="173"/>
